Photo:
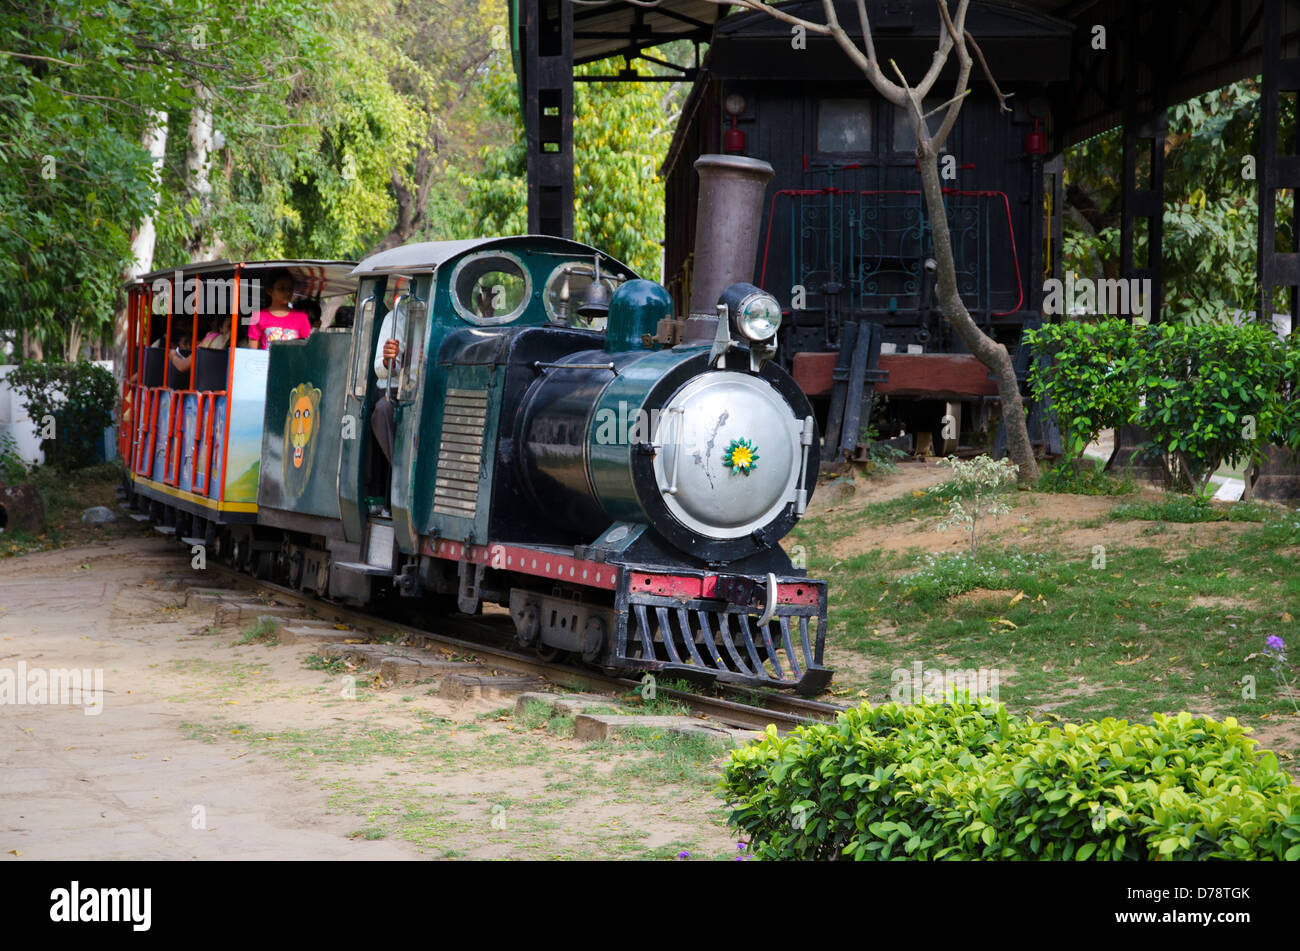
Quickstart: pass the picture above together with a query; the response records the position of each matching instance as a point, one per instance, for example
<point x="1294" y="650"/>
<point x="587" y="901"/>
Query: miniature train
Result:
<point x="624" y="499"/>
<point x="844" y="241"/>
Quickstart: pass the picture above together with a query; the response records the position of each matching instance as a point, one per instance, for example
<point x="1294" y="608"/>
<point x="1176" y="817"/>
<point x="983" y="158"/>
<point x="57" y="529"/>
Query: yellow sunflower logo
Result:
<point x="741" y="456"/>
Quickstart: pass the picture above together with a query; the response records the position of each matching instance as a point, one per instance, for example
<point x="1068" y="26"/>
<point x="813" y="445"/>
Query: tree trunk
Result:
<point x="987" y="350"/>
<point x="203" y="245"/>
<point x="144" y="238"/>
<point x="412" y="202"/>
<point x="73" y="348"/>
<point x="32" y="347"/>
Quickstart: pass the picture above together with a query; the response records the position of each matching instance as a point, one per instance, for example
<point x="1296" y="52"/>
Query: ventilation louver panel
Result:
<point x="460" y="454"/>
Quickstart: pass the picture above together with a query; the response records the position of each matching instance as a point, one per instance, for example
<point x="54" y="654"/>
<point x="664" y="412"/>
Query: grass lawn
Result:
<point x="1086" y="606"/>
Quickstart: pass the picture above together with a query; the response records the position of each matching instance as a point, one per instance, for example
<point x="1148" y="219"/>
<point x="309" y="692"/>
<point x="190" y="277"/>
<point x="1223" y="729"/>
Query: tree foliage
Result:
<point x="1210" y="215"/>
<point x="73" y="402"/>
<point x="336" y="124"/>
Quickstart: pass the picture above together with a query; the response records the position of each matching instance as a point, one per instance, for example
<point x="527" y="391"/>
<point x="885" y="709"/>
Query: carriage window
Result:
<point x="490" y="288"/>
<point x="844" y="125"/>
<point x="905" y="140"/>
<point x="360" y="348"/>
<point x="417" y="312"/>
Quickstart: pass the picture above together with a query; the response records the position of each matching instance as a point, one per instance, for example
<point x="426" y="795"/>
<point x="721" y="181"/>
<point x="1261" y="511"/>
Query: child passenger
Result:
<point x="278" y="322"/>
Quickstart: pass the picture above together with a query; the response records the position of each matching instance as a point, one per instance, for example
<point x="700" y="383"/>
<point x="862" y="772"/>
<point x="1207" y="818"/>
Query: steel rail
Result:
<point x="781" y="710"/>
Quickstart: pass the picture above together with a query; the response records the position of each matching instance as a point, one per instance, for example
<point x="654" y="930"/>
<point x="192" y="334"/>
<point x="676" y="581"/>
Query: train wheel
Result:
<point x="550" y="654"/>
<point x="242" y="553"/>
<point x="593" y="640"/>
<point x="225" y="547"/>
<point x="265" y="565"/>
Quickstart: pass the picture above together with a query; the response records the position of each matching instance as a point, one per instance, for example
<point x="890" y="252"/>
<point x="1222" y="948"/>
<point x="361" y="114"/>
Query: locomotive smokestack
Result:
<point x="727" y="224"/>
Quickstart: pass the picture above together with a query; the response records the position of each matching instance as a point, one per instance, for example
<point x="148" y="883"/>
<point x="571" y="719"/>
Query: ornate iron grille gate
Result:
<point x="869" y="248"/>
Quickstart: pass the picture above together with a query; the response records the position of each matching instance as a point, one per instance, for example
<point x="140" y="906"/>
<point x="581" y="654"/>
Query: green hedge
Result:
<point x="1205" y="395"/>
<point x="79" y="396"/>
<point x="966" y="780"/>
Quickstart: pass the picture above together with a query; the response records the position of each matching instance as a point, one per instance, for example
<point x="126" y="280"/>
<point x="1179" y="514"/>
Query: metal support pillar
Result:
<point x="1278" y="474"/>
<point x="1144" y="138"/>
<point x="855" y="377"/>
<point x="548" y="114"/>
<point x="1276" y="171"/>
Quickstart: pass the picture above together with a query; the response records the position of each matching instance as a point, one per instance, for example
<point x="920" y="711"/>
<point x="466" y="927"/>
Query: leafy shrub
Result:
<point x="13" y="470"/>
<point x="945" y="576"/>
<point x="1176" y="508"/>
<point x="1205" y="394"/>
<point x="966" y="780"/>
<point x="1286" y="427"/>
<point x="1211" y="396"/>
<point x="79" y="396"/>
<point x="1084" y="476"/>
<point x="1090" y="378"/>
<point x="881" y="457"/>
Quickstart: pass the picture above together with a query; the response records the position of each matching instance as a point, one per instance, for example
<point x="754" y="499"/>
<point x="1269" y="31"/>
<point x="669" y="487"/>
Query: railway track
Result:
<point x="745" y="707"/>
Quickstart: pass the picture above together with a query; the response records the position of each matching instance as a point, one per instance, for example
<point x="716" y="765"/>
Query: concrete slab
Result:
<point x="462" y="686"/>
<point x="603" y="726"/>
<point x="565" y="704"/>
<point x="246" y="612"/>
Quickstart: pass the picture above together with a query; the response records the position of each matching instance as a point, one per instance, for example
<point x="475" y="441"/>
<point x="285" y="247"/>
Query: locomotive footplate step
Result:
<point x="361" y="568"/>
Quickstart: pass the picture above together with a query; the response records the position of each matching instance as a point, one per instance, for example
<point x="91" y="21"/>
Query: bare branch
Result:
<point x="947" y="21"/>
<point x="869" y="66"/>
<point x="47" y="59"/>
<point x="961" y="95"/>
<point x="867" y="41"/>
<point x="777" y="13"/>
<point x="956" y="37"/>
<point x="988" y="74"/>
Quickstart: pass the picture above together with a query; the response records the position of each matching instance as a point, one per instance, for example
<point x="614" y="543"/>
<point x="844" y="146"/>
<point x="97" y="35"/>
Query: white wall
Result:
<point x="15" y="421"/>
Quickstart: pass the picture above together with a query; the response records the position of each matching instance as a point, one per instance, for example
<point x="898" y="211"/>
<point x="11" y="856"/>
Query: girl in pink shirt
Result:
<point x="278" y="322"/>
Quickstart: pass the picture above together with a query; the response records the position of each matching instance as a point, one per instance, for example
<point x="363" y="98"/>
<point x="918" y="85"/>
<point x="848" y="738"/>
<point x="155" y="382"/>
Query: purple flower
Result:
<point x="683" y="855"/>
<point x="1275" y="643"/>
<point x="740" y="846"/>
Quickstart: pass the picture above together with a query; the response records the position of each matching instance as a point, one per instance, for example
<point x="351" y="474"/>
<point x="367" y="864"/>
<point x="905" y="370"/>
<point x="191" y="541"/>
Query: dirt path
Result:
<point x="126" y="783"/>
<point x="207" y="748"/>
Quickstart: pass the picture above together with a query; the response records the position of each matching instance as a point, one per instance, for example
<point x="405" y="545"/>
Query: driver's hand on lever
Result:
<point x="391" y="351"/>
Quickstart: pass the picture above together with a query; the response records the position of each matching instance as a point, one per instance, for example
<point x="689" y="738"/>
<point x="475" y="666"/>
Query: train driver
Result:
<point x="387" y="356"/>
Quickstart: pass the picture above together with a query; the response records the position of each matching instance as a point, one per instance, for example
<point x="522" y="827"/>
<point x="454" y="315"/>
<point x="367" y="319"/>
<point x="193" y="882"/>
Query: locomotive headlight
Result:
<point x="754" y="312"/>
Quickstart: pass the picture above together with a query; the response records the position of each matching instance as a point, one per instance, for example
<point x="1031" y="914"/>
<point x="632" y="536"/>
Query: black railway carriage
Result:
<point x="844" y="242"/>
